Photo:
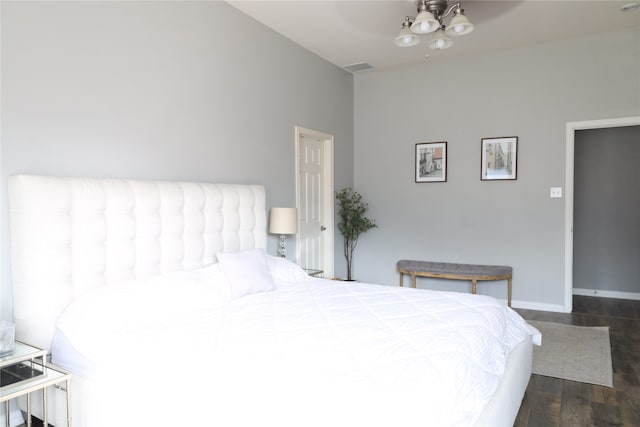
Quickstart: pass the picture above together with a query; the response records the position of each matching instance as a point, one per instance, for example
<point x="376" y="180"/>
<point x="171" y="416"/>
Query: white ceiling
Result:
<point x="352" y="31"/>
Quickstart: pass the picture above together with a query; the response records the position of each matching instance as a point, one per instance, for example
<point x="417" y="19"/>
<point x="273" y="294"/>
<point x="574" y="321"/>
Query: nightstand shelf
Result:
<point x="24" y="371"/>
<point x="313" y="272"/>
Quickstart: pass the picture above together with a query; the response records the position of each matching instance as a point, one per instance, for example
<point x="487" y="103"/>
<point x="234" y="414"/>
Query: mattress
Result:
<point x="176" y="349"/>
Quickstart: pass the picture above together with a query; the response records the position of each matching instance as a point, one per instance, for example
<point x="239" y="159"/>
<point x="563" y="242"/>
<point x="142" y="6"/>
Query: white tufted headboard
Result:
<point x="69" y="235"/>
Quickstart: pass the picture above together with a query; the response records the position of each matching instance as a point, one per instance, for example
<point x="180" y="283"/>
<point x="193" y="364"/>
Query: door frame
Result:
<point x="328" y="186"/>
<point x="571" y="128"/>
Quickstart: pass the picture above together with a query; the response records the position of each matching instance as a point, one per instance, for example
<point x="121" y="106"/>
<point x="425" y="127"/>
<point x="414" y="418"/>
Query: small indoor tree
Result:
<point x="352" y="223"/>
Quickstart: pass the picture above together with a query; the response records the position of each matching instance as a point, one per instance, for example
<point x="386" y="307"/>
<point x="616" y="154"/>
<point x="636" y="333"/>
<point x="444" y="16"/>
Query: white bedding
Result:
<point x="311" y="352"/>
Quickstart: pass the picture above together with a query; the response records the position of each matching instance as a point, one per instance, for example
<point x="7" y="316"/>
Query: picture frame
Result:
<point x="431" y="162"/>
<point x="499" y="158"/>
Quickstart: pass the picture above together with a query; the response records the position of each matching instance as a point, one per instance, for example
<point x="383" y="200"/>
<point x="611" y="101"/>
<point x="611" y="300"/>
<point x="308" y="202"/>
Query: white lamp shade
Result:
<point x="283" y="221"/>
<point x="425" y="23"/>
<point x="406" y="38"/>
<point x="440" y="40"/>
<point x="459" y="26"/>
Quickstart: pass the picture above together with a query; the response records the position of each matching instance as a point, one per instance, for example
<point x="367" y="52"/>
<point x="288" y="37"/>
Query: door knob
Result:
<point x="322" y="228"/>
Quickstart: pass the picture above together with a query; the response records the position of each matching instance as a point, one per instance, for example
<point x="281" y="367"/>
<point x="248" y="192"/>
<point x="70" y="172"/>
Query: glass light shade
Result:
<point x="283" y="221"/>
<point x="440" y="40"/>
<point x="406" y="38"/>
<point x="424" y="23"/>
<point x="459" y="25"/>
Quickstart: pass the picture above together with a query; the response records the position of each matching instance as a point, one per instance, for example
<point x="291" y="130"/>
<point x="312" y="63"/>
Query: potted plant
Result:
<point x="352" y="223"/>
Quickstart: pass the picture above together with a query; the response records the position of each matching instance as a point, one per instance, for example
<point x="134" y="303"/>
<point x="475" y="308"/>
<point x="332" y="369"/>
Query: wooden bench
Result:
<point x="445" y="270"/>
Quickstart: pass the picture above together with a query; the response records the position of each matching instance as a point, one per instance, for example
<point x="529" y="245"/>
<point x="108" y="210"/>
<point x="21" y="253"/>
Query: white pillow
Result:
<point x="210" y="275"/>
<point x="246" y="271"/>
<point x="213" y="275"/>
<point x="284" y="270"/>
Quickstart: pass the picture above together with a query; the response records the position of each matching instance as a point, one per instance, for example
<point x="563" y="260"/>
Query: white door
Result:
<point x="315" y="200"/>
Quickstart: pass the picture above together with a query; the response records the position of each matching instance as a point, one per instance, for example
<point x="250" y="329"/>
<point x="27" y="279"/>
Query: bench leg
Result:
<point x="509" y="291"/>
<point x="474" y="283"/>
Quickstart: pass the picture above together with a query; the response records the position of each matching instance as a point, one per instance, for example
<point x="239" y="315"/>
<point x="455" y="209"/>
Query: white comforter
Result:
<point x="312" y="352"/>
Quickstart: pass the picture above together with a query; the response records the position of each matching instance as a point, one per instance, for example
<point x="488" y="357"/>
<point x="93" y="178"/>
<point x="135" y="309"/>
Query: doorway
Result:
<point x="571" y="129"/>
<point x="314" y="199"/>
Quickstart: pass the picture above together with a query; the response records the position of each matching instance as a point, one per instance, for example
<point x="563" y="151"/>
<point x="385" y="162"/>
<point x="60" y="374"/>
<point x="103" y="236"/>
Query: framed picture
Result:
<point x="431" y="162"/>
<point x="499" y="158"/>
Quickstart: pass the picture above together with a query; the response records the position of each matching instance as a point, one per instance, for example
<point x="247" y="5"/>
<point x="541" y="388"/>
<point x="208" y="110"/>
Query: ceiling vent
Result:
<point x="361" y="66"/>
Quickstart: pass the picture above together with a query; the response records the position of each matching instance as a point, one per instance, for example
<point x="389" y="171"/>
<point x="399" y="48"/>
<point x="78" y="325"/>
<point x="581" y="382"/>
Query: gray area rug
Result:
<point x="575" y="353"/>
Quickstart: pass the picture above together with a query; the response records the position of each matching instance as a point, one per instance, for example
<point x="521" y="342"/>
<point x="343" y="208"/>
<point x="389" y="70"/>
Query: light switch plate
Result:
<point x="556" y="192"/>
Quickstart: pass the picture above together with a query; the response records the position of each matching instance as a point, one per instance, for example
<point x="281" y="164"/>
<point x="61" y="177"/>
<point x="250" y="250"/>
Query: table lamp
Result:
<point x="283" y="221"/>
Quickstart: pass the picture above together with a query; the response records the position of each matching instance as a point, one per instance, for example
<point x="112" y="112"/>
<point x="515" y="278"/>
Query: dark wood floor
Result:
<point x="554" y="402"/>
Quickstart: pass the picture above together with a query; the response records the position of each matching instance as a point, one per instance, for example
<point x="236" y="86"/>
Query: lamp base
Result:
<point x="282" y="249"/>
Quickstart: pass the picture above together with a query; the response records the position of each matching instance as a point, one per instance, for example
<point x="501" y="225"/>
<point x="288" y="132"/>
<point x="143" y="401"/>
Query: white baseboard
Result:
<point x="528" y="305"/>
<point x="606" y="294"/>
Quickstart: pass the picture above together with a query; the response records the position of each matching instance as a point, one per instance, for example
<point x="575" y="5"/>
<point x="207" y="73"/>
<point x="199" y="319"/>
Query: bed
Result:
<point x="161" y="300"/>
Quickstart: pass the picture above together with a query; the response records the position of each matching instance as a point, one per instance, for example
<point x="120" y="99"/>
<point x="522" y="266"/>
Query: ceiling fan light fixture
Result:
<point x="406" y="37"/>
<point x="459" y="25"/>
<point x="431" y="19"/>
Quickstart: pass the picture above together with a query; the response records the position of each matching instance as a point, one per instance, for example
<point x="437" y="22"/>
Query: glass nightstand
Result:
<point x="24" y="371"/>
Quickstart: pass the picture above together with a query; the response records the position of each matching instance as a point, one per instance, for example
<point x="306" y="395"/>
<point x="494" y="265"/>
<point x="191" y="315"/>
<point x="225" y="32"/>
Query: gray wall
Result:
<point x="606" y="227"/>
<point x="530" y="93"/>
<point x="161" y="90"/>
